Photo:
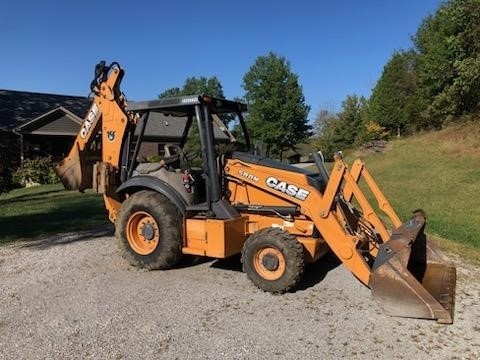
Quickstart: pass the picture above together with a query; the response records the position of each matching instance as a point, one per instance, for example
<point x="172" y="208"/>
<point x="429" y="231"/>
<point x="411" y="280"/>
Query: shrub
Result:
<point x="375" y="131"/>
<point x="39" y="170"/>
<point x="153" y="158"/>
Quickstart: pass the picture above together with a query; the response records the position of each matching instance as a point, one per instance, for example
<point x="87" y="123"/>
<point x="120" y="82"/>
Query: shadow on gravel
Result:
<point x="231" y="263"/>
<point x="316" y="272"/>
<point x="67" y="238"/>
<point x="192" y="260"/>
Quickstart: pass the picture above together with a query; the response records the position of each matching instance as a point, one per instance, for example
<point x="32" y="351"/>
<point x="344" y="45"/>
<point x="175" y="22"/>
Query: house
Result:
<point x="37" y="124"/>
<point x="8" y="152"/>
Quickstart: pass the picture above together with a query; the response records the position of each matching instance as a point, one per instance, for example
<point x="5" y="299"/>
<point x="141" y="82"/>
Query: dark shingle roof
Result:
<point x="18" y="107"/>
<point x="21" y="107"/>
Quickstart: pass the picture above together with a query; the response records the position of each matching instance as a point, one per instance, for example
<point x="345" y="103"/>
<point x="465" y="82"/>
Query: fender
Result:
<point x="149" y="182"/>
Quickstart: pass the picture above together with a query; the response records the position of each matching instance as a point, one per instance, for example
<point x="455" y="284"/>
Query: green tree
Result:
<point x="322" y="121"/>
<point x="196" y="86"/>
<point x="325" y="128"/>
<point x="394" y="103"/>
<point x="351" y="119"/>
<point x="277" y="115"/>
<point x="448" y="43"/>
<point x="199" y="86"/>
<point x="172" y="92"/>
<point x="343" y="130"/>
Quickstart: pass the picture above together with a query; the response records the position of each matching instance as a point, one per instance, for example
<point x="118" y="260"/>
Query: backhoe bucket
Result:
<point x="75" y="171"/>
<point x="412" y="278"/>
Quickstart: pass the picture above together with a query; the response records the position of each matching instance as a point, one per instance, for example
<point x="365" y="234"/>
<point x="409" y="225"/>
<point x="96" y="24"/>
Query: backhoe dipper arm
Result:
<point x="108" y="104"/>
<point x="107" y="115"/>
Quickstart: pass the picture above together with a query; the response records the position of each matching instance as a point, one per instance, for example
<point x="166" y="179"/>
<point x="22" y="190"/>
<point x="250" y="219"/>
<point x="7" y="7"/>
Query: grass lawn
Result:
<point x="48" y="209"/>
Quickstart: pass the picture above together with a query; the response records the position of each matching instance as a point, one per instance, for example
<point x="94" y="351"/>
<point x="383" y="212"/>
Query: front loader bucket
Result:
<point x="75" y="171"/>
<point x="412" y="278"/>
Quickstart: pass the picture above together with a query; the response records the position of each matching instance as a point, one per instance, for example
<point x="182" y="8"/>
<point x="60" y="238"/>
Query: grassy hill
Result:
<point x="440" y="173"/>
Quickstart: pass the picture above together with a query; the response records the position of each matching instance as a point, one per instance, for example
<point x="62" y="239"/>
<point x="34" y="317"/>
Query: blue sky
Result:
<point x="337" y="48"/>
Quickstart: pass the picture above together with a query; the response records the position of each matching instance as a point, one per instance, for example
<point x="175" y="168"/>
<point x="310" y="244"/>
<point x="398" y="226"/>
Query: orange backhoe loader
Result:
<point x="168" y="198"/>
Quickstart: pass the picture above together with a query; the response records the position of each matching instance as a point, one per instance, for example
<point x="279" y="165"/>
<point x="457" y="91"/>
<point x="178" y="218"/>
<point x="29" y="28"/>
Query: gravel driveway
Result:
<point x="73" y="297"/>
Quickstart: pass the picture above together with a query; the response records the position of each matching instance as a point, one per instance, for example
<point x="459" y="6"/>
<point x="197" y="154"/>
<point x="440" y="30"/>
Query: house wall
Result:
<point x="148" y="149"/>
<point x="44" y="145"/>
<point x="9" y="152"/>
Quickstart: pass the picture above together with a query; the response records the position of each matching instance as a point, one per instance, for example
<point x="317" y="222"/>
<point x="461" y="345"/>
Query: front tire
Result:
<point x="273" y="260"/>
<point x="149" y="231"/>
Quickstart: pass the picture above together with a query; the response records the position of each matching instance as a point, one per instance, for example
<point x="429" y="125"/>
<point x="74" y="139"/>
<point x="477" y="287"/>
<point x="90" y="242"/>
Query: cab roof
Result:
<point x="185" y="105"/>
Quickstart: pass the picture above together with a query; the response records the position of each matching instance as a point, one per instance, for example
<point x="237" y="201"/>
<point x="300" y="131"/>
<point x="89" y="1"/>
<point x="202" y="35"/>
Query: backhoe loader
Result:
<point x="168" y="198"/>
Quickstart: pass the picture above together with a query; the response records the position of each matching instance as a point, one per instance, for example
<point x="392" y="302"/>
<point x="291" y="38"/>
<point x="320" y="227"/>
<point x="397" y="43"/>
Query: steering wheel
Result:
<point x="174" y="153"/>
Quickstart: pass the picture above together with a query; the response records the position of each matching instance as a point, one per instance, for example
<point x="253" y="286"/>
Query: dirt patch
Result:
<point x="74" y="296"/>
<point x="372" y="147"/>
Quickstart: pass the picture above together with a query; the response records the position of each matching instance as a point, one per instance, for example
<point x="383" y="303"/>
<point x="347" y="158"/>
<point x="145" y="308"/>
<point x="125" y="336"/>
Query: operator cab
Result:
<point x="180" y="141"/>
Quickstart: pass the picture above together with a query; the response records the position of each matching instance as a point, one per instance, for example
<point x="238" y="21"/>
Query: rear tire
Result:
<point x="149" y="231"/>
<point x="274" y="260"/>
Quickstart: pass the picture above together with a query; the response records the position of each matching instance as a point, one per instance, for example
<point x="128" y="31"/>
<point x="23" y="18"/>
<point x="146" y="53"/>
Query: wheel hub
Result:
<point x="143" y="233"/>
<point x="270" y="262"/>
<point x="148" y="232"/>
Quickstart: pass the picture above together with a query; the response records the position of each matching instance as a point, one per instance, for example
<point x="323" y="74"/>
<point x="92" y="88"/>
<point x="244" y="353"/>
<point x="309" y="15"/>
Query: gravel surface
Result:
<point x="72" y="296"/>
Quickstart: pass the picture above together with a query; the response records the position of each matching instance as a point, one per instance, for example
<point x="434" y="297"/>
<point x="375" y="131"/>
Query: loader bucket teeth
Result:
<point x="412" y="278"/>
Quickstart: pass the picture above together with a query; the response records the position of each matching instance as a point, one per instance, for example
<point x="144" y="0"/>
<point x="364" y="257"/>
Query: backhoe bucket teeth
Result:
<point x="74" y="171"/>
<point x="412" y="278"/>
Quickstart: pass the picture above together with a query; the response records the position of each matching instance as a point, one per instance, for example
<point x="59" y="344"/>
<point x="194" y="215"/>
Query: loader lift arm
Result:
<point x="408" y="274"/>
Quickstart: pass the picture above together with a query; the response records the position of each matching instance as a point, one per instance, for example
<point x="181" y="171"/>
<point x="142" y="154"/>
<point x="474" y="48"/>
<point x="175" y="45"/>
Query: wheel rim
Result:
<point x="143" y="233"/>
<point x="269" y="263"/>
